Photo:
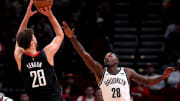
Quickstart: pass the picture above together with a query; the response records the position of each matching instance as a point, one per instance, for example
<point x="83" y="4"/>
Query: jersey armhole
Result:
<point x="44" y="54"/>
<point x="99" y="84"/>
<point x="21" y="60"/>
<point x="126" y="76"/>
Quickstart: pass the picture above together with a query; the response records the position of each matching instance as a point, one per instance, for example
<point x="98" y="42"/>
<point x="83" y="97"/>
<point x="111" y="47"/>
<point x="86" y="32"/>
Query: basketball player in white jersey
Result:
<point x="112" y="80"/>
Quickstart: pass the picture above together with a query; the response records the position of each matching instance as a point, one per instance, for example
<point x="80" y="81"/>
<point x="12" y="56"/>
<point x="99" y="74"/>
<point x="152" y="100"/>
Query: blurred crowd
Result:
<point x="92" y="20"/>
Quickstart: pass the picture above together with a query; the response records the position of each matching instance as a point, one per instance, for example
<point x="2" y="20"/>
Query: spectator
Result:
<point x="1" y="86"/>
<point x="174" y="77"/>
<point x="2" y="50"/>
<point x="88" y="95"/>
<point x="43" y="32"/>
<point x="172" y="49"/>
<point x="171" y="8"/>
<point x="24" y="97"/>
<point x="151" y="73"/>
<point x="70" y="89"/>
<point x="2" y="95"/>
<point x="98" y="95"/>
<point x="140" y="92"/>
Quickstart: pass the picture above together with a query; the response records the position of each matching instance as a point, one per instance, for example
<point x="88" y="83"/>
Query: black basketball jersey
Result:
<point x="39" y="78"/>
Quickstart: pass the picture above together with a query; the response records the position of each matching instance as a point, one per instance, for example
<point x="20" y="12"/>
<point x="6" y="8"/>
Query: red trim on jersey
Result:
<point x="32" y="55"/>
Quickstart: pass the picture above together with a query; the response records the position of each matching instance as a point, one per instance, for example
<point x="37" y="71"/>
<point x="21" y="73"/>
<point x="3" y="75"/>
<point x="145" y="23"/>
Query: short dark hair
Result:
<point x="24" y="38"/>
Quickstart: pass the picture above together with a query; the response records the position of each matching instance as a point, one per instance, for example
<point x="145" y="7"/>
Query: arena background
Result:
<point x="145" y="34"/>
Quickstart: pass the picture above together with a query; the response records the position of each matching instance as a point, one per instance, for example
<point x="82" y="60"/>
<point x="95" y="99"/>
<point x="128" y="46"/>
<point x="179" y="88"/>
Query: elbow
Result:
<point x="60" y="36"/>
<point x="84" y="53"/>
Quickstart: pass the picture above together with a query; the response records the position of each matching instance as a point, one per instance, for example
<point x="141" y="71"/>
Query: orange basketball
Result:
<point x="43" y="3"/>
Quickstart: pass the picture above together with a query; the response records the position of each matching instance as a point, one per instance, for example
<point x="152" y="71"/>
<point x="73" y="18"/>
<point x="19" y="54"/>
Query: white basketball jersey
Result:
<point x="115" y="87"/>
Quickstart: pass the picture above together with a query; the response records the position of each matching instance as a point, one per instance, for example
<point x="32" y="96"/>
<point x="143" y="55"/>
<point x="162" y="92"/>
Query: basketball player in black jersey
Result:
<point x="111" y="61"/>
<point x="36" y="67"/>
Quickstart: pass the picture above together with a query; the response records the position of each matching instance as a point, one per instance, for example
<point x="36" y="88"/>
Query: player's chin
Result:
<point x="106" y="64"/>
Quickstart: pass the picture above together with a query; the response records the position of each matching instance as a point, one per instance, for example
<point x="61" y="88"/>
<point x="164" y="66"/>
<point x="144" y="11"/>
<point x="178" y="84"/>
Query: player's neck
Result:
<point x="31" y="51"/>
<point x="113" y="69"/>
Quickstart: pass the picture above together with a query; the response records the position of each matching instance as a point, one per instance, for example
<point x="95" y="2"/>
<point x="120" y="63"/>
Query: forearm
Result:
<point x="23" y="26"/>
<point x="140" y="79"/>
<point x="24" y="23"/>
<point x="89" y="61"/>
<point x="154" y="80"/>
<point x="56" y="26"/>
<point x="77" y="45"/>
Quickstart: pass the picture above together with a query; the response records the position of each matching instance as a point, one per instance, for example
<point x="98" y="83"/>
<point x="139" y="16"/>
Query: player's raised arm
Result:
<point x="53" y="47"/>
<point x="28" y="14"/>
<point x="140" y="79"/>
<point x="18" y="51"/>
<point x="93" y="65"/>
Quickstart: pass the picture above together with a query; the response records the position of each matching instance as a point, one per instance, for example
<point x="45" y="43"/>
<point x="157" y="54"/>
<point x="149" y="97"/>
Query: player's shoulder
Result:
<point x="129" y="71"/>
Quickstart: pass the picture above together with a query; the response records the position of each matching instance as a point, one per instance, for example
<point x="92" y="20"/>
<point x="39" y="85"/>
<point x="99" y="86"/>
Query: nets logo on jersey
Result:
<point x="34" y="64"/>
<point x="114" y="81"/>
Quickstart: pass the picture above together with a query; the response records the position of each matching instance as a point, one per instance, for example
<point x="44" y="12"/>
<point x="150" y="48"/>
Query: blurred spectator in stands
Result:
<point x="101" y="42"/>
<point x="139" y="92"/>
<point x="2" y="50"/>
<point x="24" y="97"/>
<point x="43" y="32"/>
<point x="166" y="4"/>
<point x="103" y="10"/>
<point x="171" y="8"/>
<point x="98" y="95"/>
<point x="1" y="92"/>
<point x="100" y="30"/>
<point x="70" y="89"/>
<point x="89" y="95"/>
<point x="174" y="77"/>
<point x="17" y="7"/>
<point x="172" y="49"/>
<point x="150" y="72"/>
<point x="178" y="85"/>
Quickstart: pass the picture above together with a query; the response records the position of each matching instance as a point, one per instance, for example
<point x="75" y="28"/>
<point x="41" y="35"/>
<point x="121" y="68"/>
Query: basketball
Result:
<point x="43" y="3"/>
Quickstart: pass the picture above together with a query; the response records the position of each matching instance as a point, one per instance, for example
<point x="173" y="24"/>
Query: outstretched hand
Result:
<point x="29" y="11"/>
<point x="45" y="11"/>
<point x="167" y="71"/>
<point x="67" y="30"/>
